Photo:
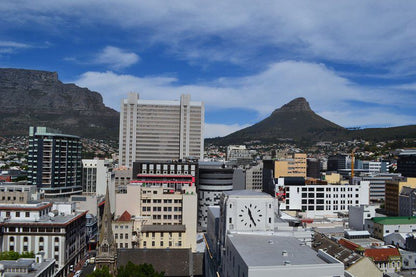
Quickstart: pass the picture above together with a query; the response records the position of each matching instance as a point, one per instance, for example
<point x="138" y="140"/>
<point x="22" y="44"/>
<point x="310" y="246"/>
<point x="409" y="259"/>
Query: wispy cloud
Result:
<point x="12" y="46"/>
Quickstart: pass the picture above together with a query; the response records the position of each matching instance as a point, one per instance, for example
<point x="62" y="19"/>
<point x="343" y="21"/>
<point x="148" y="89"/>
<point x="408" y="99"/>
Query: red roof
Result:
<point x="381" y="254"/>
<point x="348" y="244"/>
<point x="125" y="216"/>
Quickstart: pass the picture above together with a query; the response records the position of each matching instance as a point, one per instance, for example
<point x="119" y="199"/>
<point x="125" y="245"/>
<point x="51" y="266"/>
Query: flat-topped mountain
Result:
<point x="33" y="97"/>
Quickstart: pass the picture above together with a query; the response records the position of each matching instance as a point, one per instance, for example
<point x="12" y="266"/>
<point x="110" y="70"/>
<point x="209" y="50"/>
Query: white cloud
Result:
<point x="116" y="58"/>
<point x="381" y="32"/>
<point x="220" y="130"/>
<point x="334" y="97"/>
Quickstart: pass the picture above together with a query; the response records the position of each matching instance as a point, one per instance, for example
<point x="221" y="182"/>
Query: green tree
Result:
<point x="142" y="270"/>
<point x="11" y="255"/>
<point x="102" y="272"/>
<point x="129" y="270"/>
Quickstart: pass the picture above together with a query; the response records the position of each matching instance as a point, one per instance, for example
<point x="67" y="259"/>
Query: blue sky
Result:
<point x="354" y="61"/>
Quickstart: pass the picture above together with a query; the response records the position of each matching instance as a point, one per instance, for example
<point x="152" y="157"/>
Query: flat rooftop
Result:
<point x="267" y="250"/>
<point x="246" y="194"/>
<point x="59" y="220"/>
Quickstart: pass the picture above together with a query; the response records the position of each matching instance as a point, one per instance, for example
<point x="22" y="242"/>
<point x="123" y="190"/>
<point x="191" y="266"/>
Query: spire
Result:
<point x="107" y="246"/>
<point x="107" y="252"/>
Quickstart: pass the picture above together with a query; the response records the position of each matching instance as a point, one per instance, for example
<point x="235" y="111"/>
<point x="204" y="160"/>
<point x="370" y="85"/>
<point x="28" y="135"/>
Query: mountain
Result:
<point x="38" y="98"/>
<point x="295" y="121"/>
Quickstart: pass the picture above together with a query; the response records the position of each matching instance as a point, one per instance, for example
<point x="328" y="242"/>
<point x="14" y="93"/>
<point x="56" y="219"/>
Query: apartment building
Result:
<point x="123" y="230"/>
<point x="160" y="130"/>
<point x="293" y="166"/>
<point x="54" y="162"/>
<point x="36" y="227"/>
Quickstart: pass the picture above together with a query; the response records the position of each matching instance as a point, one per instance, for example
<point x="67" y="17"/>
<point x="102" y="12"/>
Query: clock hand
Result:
<point x="251" y="217"/>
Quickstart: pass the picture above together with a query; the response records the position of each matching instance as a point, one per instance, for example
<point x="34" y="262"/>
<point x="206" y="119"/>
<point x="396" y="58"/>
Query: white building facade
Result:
<point x="160" y="130"/>
<point x="321" y="200"/>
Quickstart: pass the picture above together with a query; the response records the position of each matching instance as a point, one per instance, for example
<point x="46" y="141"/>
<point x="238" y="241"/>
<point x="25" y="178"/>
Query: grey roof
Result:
<point x="407" y="191"/>
<point x="246" y="194"/>
<point x="343" y="254"/>
<point x="36" y="268"/>
<point x="164" y="228"/>
<point x="267" y="250"/>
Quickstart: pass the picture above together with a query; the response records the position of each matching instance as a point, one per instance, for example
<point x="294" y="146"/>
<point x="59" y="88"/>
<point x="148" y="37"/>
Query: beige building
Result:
<point x="164" y="217"/>
<point x="254" y="177"/>
<point x="393" y="188"/>
<point x="160" y="130"/>
<point x="293" y="166"/>
<point x="123" y="230"/>
<point x="333" y="178"/>
<point x="15" y="193"/>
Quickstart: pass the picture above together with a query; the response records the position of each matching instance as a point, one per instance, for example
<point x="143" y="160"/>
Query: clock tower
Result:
<point x="245" y="210"/>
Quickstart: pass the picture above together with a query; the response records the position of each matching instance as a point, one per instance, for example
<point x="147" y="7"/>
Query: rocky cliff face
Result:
<point x="32" y="97"/>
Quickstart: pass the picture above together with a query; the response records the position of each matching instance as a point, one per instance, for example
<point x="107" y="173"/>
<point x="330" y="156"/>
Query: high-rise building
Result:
<point x="160" y="130"/>
<point x="54" y="162"/>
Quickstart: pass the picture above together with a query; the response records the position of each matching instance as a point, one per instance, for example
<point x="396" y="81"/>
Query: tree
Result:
<point x="129" y="270"/>
<point x="142" y="270"/>
<point x="11" y="255"/>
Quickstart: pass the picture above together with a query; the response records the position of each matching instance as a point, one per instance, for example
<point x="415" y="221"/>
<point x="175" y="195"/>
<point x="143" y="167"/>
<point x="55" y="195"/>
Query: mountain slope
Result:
<point x="32" y="97"/>
<point x="294" y="121"/>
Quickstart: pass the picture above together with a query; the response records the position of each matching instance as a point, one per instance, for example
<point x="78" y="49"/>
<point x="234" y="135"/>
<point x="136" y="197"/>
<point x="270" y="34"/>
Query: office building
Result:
<point x="313" y="168"/>
<point x="379" y="227"/>
<point x="337" y="162"/>
<point x="393" y="189"/>
<point x="96" y="176"/>
<point x="293" y="166"/>
<point x="214" y="179"/>
<point x="378" y="184"/>
<point x="54" y="162"/>
<point x="164" y="210"/>
<point x="406" y="163"/>
<point x="254" y="177"/>
<point x="36" y="227"/>
<point x="241" y="242"/>
<point x="319" y="200"/>
<point x="160" y="130"/>
<point x="122" y="177"/>
<point x="143" y="169"/>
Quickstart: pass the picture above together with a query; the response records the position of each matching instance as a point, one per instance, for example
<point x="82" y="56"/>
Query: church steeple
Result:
<point x="107" y="252"/>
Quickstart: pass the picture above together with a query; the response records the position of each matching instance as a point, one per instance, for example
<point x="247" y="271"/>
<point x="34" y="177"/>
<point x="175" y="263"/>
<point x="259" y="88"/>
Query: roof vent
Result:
<point x="284" y="253"/>
<point x="270" y="242"/>
<point x="286" y="263"/>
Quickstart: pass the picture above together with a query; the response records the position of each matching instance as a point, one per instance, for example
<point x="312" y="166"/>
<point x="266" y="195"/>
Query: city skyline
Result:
<point x="353" y="63"/>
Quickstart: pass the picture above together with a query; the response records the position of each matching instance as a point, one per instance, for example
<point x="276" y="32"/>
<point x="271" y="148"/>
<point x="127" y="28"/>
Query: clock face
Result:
<point x="250" y="215"/>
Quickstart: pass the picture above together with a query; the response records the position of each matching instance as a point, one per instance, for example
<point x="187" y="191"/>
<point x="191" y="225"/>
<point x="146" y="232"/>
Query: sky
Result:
<point x="354" y="61"/>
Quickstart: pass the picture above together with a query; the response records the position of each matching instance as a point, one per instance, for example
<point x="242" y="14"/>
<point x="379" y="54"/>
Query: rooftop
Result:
<point x="381" y="254"/>
<point x="246" y="194"/>
<point x="126" y="216"/>
<point x="59" y="220"/>
<point x="34" y="268"/>
<point x="267" y="250"/>
<point x="26" y="207"/>
<point x="395" y="220"/>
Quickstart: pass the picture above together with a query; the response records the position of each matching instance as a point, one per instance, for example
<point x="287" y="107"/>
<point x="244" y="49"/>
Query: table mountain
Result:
<point x="38" y="98"/>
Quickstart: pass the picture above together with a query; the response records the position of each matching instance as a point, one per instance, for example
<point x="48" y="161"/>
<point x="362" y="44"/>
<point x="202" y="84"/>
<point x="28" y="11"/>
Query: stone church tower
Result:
<point x="107" y="252"/>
